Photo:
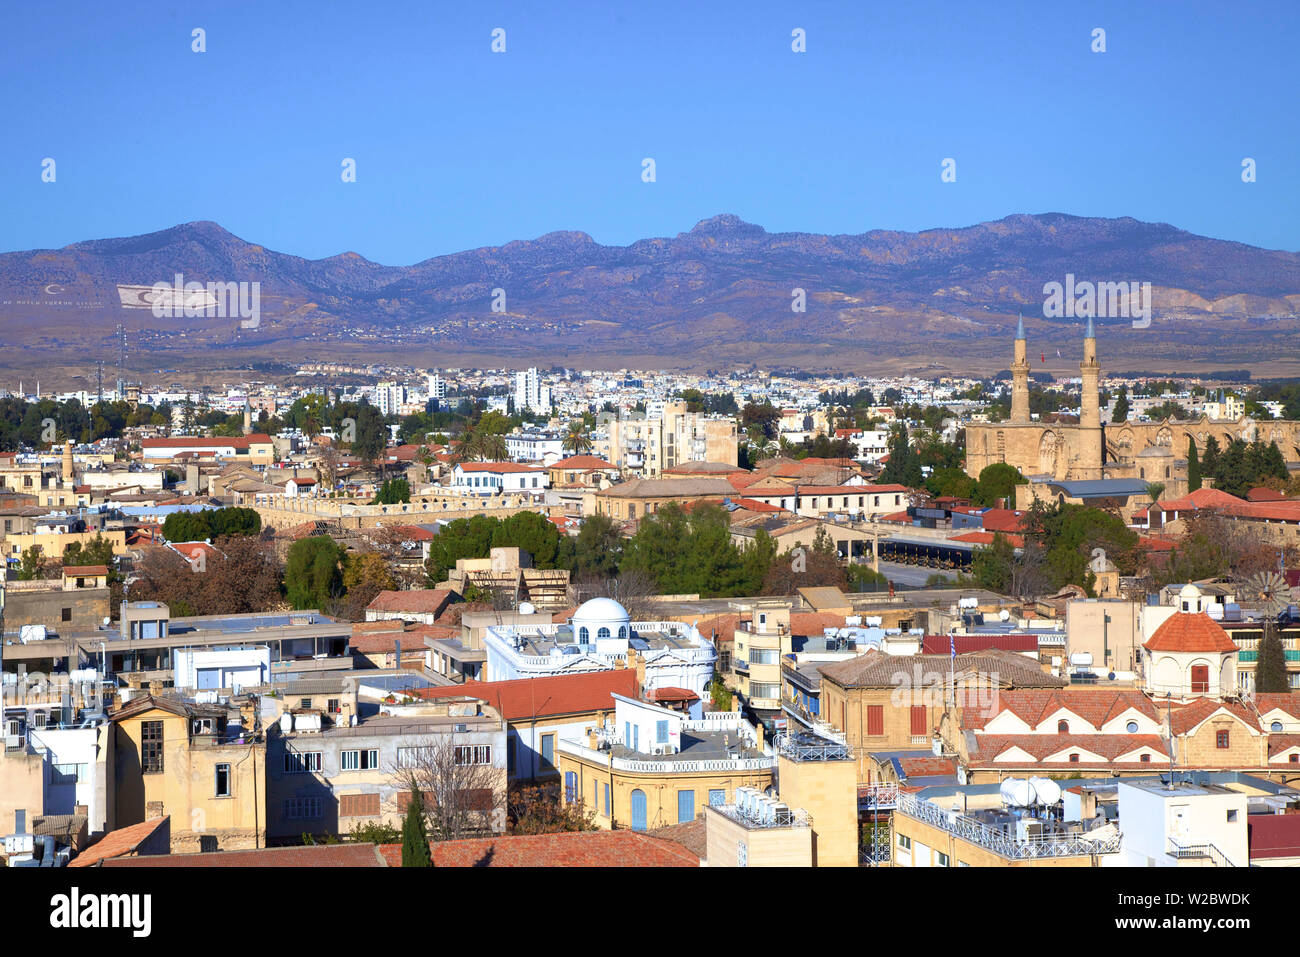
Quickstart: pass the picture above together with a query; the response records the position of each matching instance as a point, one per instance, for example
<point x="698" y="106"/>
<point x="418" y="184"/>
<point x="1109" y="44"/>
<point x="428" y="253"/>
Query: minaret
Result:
<point x="1020" y="377"/>
<point x="248" y="417"/>
<point x="1089" y="448"/>
<point x="68" y="474"/>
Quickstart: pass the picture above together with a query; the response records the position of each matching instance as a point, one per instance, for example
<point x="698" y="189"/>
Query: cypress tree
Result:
<point x="415" y="843"/>
<point x="1270" y="669"/>
<point x="1193" y="466"/>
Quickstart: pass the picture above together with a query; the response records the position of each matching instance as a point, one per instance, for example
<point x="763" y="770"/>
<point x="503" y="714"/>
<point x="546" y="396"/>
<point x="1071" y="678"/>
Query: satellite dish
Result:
<point x="1004" y="615"/>
<point x="527" y="608"/>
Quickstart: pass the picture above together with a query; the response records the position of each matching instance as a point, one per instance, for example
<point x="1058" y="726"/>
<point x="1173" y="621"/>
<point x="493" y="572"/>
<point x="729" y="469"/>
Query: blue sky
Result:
<point x="458" y="147"/>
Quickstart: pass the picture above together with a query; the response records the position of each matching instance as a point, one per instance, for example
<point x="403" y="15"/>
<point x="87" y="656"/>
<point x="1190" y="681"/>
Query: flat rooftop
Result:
<point x="536" y="641"/>
<point x="697" y="746"/>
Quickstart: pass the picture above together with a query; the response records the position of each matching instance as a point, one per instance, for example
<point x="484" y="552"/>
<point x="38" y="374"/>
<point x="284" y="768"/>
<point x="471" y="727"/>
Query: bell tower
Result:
<point x="1088" y="460"/>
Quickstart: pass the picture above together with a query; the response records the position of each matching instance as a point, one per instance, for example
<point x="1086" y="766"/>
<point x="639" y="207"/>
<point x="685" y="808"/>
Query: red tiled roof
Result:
<point x="583" y="462"/>
<point x="938" y="644"/>
<point x="1266" y="701"/>
<point x="190" y="442"/>
<point x="805" y="623"/>
<point x="1040" y="746"/>
<point x="927" y="766"/>
<point x="545" y="697"/>
<point x="572" y="849"/>
<point x="499" y="467"/>
<point x="1002" y="520"/>
<point x="754" y="505"/>
<point x="673" y="694"/>
<point x="1265" y="495"/>
<point x="1187" y="632"/>
<point x="1190" y="715"/>
<point x="1093" y="705"/>
<point x="84" y="570"/>
<point x="723" y="625"/>
<point x="420" y="601"/>
<point x="987" y="538"/>
<point x="313" y="855"/>
<point x="118" y="843"/>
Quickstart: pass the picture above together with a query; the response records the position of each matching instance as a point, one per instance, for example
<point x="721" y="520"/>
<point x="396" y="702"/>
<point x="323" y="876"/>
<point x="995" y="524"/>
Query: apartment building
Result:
<point x="646" y="445"/>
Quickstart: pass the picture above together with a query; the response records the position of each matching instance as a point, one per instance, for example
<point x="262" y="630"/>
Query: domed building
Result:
<point x="1190" y="656"/>
<point x="601" y="619"/>
<point x="600" y="636"/>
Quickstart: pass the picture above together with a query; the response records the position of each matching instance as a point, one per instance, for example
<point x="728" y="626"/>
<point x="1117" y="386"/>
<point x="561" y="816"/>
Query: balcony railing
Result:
<point x="1000" y="842"/>
<point x="1185" y="852"/>
<point x="639" y="766"/>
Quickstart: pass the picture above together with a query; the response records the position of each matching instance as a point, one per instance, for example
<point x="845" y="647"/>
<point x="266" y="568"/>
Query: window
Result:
<point x="68" y="773"/>
<point x="333" y="706"/>
<point x="607" y="799"/>
<point x="942" y="859"/>
<point x="570" y="787"/>
<point x="904" y="842"/>
<point x="918" y="719"/>
<point x="1221" y="739"/>
<point x="661" y="732"/>
<point x="474" y="799"/>
<point x="300" y="809"/>
<point x="474" y="754"/>
<point x="67" y="614"/>
<point x="717" y="797"/>
<point x="151" y="747"/>
<point x="1232" y="815"/>
<point x="602" y="633"/>
<point x="584" y="636"/>
<point x="1145" y="759"/>
<point x="1062" y="727"/>
<point x="1131" y="727"/>
<point x="222" y="789"/>
<point x="1294" y="758"/>
<point x="685" y="806"/>
<point x="548" y="751"/>
<point x="1074" y="758"/>
<point x="367" y="760"/>
<point x="304" y="702"/>
<point x="359" y="805"/>
<point x="875" y="720"/>
<point x="303" y="762"/>
<point x="1275" y="727"/>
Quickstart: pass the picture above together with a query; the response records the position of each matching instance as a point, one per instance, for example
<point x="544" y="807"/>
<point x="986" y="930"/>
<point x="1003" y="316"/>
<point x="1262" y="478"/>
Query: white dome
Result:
<point x="601" y="611"/>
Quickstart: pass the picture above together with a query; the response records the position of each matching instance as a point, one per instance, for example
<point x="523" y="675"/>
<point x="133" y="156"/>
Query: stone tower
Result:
<point x="1088" y="450"/>
<point x="68" y="472"/>
<point x="1020" y="377"/>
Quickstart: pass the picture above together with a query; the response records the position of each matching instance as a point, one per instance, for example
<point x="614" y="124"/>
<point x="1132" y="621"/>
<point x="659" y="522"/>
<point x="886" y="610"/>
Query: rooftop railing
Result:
<point x="1001" y="842"/>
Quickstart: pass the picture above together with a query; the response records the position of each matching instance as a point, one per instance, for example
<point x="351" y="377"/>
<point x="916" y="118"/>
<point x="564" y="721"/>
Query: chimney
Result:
<point x="593" y="739"/>
<point x="758" y="731"/>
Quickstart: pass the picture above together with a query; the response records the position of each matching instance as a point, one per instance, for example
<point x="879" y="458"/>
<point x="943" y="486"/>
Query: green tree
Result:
<point x="1120" y="412"/>
<point x="393" y="492"/>
<point x="187" y="526"/>
<point x="1270" y="670"/>
<point x="234" y="521"/>
<point x="313" y="573"/>
<point x="999" y="481"/>
<point x="1193" y="466"/>
<point x="463" y="538"/>
<point x="993" y="566"/>
<point x="904" y="465"/>
<point x="597" y="548"/>
<point x="415" y="841"/>
<point x="576" y="440"/>
<point x="32" y="565"/>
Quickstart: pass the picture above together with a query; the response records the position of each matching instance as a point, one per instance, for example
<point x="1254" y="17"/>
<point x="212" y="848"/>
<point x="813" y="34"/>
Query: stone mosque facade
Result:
<point x="1092" y="449"/>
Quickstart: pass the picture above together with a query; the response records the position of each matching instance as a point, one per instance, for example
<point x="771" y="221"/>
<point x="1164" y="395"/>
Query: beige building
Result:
<point x="647" y="446"/>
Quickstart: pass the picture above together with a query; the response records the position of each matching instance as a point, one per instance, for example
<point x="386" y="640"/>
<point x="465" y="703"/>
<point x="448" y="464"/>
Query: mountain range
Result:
<point x="719" y="295"/>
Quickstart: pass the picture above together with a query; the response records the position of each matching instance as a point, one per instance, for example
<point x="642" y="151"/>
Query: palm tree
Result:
<point x="576" y="439"/>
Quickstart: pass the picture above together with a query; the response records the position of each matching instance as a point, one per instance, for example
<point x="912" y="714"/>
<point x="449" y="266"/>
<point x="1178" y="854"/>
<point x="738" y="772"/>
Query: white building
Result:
<point x="1182" y="824"/>
<point x="530" y="394"/>
<point x="598" y="637"/>
<point x="211" y="669"/>
<point x="389" y="398"/>
<point x="506" y="478"/>
<point x="437" y="386"/>
<point x="533" y="446"/>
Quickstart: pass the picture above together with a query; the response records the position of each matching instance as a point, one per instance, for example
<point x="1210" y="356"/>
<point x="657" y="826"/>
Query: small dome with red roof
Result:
<point x="1191" y="633"/>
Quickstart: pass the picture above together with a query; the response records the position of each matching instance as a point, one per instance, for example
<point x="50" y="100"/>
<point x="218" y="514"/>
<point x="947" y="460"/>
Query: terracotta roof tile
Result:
<point x="118" y="843"/>
<point x="1187" y="632"/>
<point x="545" y="697"/>
<point x="572" y="849"/>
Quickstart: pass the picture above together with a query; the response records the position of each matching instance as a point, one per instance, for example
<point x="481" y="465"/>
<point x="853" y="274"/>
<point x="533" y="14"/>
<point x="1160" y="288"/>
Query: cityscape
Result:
<point x="863" y="542"/>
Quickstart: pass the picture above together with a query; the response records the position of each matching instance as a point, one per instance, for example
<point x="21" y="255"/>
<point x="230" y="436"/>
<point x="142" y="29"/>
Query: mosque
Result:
<point x="1092" y="449"/>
